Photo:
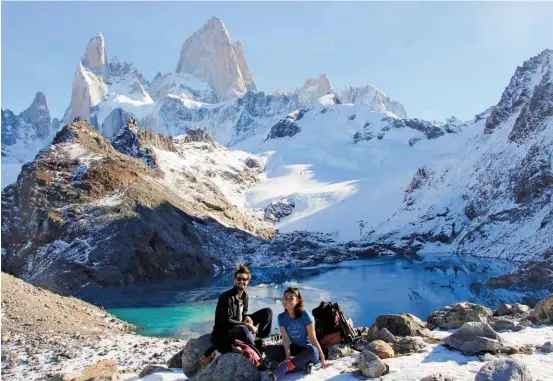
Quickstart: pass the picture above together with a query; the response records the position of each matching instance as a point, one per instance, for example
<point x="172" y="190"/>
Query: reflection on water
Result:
<point x="364" y="289"/>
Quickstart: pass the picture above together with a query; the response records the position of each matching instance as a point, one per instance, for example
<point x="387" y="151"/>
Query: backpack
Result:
<point x="329" y="319"/>
<point x="248" y="351"/>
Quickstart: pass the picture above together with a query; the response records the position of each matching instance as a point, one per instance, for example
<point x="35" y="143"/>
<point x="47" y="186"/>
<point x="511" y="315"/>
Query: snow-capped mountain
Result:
<point x="375" y="98"/>
<point x="313" y="89"/>
<point x="23" y="135"/>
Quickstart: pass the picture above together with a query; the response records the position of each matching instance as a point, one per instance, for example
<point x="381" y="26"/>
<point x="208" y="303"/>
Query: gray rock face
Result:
<point x="287" y="126"/>
<point x="114" y="122"/>
<point x="473" y="338"/>
<point x="279" y="209"/>
<point x="456" y="315"/>
<point x="193" y="353"/>
<point x="503" y="370"/>
<point x="547" y="347"/>
<point x="176" y="360"/>
<point x="338" y="351"/>
<point x="400" y="325"/>
<point x="231" y="367"/>
<point x="520" y="309"/>
<point x="543" y="312"/>
<point x="370" y="365"/>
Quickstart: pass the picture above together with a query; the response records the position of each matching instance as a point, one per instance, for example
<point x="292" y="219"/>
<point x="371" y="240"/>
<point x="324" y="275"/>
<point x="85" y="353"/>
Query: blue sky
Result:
<point x="438" y="59"/>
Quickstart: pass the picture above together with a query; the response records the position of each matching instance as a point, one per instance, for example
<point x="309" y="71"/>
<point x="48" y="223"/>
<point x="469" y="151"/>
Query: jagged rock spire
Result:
<point x="314" y="88"/>
<point x="209" y="55"/>
<point x="95" y="58"/>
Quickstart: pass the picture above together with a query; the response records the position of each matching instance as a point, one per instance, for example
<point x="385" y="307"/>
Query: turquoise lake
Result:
<point x="364" y="288"/>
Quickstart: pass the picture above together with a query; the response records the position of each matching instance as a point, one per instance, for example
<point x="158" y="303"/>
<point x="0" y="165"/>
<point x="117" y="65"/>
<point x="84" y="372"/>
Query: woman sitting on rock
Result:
<point x="300" y="348"/>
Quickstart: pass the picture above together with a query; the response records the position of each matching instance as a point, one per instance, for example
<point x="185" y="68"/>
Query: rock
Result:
<point x="279" y="209"/>
<point x="473" y="338"/>
<point x="547" y="347"/>
<point x="66" y="377"/>
<point x="105" y="370"/>
<point x="502" y="324"/>
<point x="228" y="367"/>
<point x="176" y="360"/>
<point x="520" y="309"/>
<point x="370" y="365"/>
<point x="543" y="312"/>
<point x="436" y="377"/>
<point x="193" y="353"/>
<point x="338" y="351"/>
<point x="152" y="369"/>
<point x="532" y="273"/>
<point x="503" y="370"/>
<point x="504" y="309"/>
<point x="381" y="349"/>
<point x="384" y="335"/>
<point x="410" y="344"/>
<point x="400" y="325"/>
<point x="456" y="315"/>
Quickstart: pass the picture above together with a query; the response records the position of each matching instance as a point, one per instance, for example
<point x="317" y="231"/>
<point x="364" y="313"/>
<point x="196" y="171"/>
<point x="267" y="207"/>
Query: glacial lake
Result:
<point x="364" y="288"/>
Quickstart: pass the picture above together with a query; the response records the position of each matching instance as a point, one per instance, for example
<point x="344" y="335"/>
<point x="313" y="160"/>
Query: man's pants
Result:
<point x="262" y="318"/>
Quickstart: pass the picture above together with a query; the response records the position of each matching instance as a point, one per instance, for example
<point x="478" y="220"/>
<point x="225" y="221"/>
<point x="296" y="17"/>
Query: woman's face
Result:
<point x="289" y="301"/>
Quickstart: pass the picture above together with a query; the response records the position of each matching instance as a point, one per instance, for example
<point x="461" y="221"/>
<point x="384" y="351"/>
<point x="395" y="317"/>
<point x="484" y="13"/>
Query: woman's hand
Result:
<point x="325" y="363"/>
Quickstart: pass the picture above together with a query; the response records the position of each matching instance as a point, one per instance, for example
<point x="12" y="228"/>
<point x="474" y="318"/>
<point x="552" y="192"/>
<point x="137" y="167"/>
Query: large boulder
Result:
<point x="456" y="315"/>
<point x="409" y="344"/>
<point x="473" y="338"/>
<point x="547" y="347"/>
<point x="503" y="370"/>
<point x="543" y="312"/>
<point x="520" y="309"/>
<point x="228" y="367"/>
<point x="176" y="360"/>
<point x="400" y="325"/>
<point x="381" y="349"/>
<point x="370" y="365"/>
<point x="193" y="353"/>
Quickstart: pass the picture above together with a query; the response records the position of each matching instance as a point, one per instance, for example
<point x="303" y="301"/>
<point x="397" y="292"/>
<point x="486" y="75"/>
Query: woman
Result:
<point x="300" y="346"/>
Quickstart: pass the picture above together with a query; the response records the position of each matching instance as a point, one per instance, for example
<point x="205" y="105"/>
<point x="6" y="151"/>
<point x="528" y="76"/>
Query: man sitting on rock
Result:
<point x="232" y="320"/>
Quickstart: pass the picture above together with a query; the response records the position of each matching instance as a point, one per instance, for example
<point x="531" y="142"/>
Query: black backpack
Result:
<point x="329" y="318"/>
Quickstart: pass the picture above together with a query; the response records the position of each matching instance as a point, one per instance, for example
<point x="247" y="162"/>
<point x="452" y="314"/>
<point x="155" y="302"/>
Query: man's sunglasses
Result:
<point x="239" y="278"/>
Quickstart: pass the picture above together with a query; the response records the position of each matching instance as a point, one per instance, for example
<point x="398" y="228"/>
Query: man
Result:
<point x="232" y="320"/>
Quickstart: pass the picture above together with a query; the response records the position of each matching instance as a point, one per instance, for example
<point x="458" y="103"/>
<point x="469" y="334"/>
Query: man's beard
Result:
<point x="240" y="286"/>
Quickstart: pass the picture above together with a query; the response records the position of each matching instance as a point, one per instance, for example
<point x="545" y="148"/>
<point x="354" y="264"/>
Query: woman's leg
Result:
<point x="305" y="355"/>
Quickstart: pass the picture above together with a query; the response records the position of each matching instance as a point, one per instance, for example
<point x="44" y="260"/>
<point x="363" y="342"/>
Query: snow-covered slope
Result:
<point x="24" y="135"/>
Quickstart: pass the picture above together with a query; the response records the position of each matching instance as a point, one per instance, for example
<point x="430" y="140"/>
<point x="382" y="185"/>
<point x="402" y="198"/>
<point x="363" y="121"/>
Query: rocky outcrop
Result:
<point x="279" y="209"/>
<point x="474" y="338"/>
<point x="456" y="315"/>
<point x="210" y="56"/>
<point x="532" y="274"/>
<point x="287" y="127"/>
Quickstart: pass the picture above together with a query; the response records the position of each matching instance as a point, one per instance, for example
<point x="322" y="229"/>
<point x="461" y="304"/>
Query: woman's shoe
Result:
<point x="267" y="375"/>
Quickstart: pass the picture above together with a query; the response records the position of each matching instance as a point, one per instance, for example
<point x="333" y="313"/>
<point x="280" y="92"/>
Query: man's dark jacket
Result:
<point x="227" y="314"/>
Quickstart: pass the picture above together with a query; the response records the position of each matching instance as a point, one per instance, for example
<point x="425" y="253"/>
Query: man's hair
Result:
<point x="241" y="269"/>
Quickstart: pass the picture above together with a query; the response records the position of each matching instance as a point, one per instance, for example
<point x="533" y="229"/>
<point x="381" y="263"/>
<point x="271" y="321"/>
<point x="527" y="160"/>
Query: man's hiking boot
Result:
<point x="309" y="367"/>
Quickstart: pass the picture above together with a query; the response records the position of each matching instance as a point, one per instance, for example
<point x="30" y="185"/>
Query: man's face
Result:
<point x="241" y="281"/>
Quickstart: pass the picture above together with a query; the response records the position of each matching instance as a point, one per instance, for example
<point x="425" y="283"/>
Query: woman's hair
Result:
<point x="241" y="269"/>
<point x="300" y="306"/>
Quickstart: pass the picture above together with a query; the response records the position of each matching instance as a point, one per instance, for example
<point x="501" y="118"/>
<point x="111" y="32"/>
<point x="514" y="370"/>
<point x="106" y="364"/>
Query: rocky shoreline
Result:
<point x="46" y="336"/>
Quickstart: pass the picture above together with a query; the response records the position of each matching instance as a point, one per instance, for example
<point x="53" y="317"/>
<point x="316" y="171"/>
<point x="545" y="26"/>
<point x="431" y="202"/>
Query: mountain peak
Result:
<point x="314" y="88"/>
<point x="95" y="58"/>
<point x="210" y="56"/>
<point x="373" y="97"/>
<point x="38" y="115"/>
